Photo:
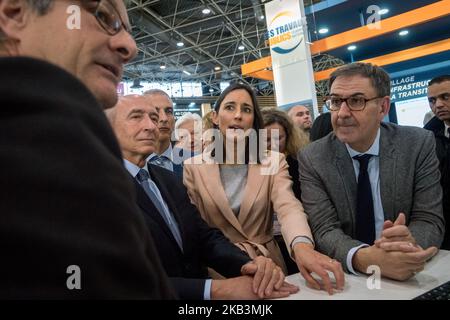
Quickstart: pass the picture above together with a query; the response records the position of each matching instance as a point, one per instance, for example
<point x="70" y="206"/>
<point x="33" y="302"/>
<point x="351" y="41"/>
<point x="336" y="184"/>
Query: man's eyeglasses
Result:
<point x="108" y="17"/>
<point x="354" y="103"/>
<point x="443" y="96"/>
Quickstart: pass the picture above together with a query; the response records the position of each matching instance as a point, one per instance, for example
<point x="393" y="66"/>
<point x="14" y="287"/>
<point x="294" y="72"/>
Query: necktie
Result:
<point x="161" y="161"/>
<point x="365" y="219"/>
<point x="152" y="191"/>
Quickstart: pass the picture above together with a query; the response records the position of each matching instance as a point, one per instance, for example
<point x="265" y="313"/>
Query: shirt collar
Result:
<point x="168" y="153"/>
<point x="373" y="150"/>
<point x="132" y="168"/>
<point x="446" y="130"/>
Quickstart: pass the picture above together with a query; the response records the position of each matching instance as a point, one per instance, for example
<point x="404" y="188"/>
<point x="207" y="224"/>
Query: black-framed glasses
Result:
<point x="443" y="96"/>
<point x="354" y="103"/>
<point x="108" y="17"/>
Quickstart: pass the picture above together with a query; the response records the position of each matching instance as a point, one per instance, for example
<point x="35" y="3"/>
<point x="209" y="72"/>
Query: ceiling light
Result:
<point x="217" y="68"/>
<point x="241" y="47"/>
<point x="403" y="33"/>
<point x="211" y="90"/>
<point x="383" y="11"/>
<point x="352" y="47"/>
<point x="186" y="72"/>
<point x="261" y="17"/>
<point x="162" y="67"/>
<point x="323" y="30"/>
<point x="206" y="11"/>
<point x="180" y="43"/>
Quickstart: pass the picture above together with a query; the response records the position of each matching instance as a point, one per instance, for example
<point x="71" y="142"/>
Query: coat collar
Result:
<point x="150" y="210"/>
<point x="254" y="182"/>
<point x="167" y="196"/>
<point x="148" y="207"/>
<point x="210" y="176"/>
<point x="344" y="166"/>
<point x="388" y="178"/>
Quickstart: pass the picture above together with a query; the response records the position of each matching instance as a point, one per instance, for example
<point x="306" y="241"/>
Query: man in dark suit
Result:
<point x="69" y="227"/>
<point x="165" y="154"/>
<point x="439" y="99"/>
<point x="367" y="174"/>
<point x="186" y="244"/>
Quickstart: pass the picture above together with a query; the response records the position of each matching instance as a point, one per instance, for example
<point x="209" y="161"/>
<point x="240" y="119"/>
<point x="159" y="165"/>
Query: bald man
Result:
<point x="301" y="117"/>
<point x="185" y="242"/>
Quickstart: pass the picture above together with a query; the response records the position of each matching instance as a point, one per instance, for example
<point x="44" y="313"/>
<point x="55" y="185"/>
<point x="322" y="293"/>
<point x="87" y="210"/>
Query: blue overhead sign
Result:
<point x="409" y="87"/>
<point x="414" y="85"/>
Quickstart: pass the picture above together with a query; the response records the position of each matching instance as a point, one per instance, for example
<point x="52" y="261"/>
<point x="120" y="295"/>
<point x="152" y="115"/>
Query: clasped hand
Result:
<point x="406" y="256"/>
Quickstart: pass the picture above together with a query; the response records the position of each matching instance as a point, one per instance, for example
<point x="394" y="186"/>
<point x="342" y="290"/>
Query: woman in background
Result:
<point x="289" y="142"/>
<point x="188" y="132"/>
<point x="240" y="197"/>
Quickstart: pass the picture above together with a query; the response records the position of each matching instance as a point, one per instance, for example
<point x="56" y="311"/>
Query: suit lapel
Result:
<point x="344" y="166"/>
<point x="254" y="182"/>
<point x="211" y="178"/>
<point x="147" y="205"/>
<point x="149" y="208"/>
<point x="387" y="165"/>
<point x="178" y="170"/>
<point x="165" y="193"/>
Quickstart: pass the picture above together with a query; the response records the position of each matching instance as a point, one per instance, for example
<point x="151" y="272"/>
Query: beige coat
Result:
<point x="263" y="194"/>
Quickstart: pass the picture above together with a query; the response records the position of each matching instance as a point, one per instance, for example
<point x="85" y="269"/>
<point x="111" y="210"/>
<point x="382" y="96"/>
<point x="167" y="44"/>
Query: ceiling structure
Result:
<point x="215" y="44"/>
<point x="218" y="42"/>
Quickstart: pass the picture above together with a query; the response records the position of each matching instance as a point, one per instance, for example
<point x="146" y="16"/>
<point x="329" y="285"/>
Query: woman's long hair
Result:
<point x="293" y="140"/>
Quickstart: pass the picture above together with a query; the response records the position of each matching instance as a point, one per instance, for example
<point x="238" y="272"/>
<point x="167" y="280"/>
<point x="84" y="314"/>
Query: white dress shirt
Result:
<point x="373" y="170"/>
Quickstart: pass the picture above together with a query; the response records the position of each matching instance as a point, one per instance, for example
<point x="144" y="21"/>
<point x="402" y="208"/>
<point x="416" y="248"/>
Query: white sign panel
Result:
<point x="411" y="112"/>
<point x="291" y="57"/>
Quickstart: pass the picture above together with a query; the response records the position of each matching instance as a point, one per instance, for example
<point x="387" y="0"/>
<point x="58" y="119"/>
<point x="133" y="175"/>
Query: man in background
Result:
<point x="439" y="99"/>
<point x="301" y="117"/>
<point x="165" y="155"/>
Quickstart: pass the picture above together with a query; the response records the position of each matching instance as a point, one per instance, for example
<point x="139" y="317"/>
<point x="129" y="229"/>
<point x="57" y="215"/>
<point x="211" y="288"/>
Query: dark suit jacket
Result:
<point x="409" y="183"/>
<point x="443" y="154"/>
<point x="293" y="172"/>
<point x="65" y="197"/>
<point x="179" y="155"/>
<point x="203" y="246"/>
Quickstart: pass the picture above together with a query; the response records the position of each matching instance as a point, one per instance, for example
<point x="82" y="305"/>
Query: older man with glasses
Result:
<point x="70" y="227"/>
<point x="371" y="189"/>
